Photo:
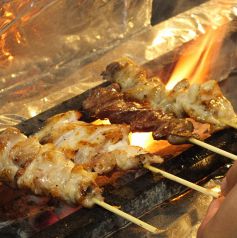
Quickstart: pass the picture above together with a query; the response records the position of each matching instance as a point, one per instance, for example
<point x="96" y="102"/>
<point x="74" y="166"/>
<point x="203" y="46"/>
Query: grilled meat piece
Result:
<point x="8" y="139"/>
<point x="43" y="169"/>
<point x="204" y="103"/>
<point x="110" y="103"/>
<point x="135" y="83"/>
<point x="97" y="147"/>
<point x="55" y="122"/>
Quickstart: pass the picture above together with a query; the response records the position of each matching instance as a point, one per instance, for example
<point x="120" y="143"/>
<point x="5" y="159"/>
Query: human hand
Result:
<point x="221" y="218"/>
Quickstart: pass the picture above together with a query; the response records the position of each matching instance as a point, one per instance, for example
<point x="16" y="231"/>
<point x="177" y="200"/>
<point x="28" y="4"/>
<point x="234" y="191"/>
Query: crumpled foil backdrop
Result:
<point x="44" y="42"/>
<point x="53" y="50"/>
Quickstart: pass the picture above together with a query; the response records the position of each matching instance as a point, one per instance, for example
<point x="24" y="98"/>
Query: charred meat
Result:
<point x="111" y="103"/>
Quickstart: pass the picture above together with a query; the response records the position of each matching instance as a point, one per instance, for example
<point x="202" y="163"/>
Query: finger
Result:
<point x="224" y="223"/>
<point x="212" y="210"/>
<point x="230" y="180"/>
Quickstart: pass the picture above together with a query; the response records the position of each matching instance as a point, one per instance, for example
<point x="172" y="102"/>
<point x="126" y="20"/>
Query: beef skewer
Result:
<point x="110" y="103"/>
<point x="44" y="170"/>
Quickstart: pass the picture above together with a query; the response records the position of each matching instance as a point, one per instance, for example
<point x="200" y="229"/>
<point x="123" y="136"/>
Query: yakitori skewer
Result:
<point x="43" y="169"/>
<point x="184" y="182"/>
<point x="202" y="102"/>
<point x="128" y="161"/>
<point x="110" y="103"/>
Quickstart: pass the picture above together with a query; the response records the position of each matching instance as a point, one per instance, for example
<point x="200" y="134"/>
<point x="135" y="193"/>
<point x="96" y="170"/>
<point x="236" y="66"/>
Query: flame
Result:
<point x="146" y="141"/>
<point x="141" y="139"/>
<point x="101" y="122"/>
<point x="197" y="57"/>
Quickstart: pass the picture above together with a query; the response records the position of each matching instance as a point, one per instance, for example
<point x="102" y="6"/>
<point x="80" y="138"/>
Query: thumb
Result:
<point x="212" y="210"/>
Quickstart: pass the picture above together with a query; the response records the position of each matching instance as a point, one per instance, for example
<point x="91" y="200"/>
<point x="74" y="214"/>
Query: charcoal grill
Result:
<point x="136" y="192"/>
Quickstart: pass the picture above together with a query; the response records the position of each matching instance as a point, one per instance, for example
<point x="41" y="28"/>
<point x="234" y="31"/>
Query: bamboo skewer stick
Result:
<point x="184" y="182"/>
<point x="127" y="216"/>
<point x="213" y="148"/>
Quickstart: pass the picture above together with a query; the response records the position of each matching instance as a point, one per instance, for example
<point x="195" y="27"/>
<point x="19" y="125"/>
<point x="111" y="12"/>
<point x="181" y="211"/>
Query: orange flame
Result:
<point x="146" y="141"/>
<point x="197" y="57"/>
<point x="101" y="122"/>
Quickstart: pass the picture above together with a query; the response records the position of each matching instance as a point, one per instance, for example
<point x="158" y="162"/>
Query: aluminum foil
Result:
<point x="44" y="42"/>
<point x="56" y="50"/>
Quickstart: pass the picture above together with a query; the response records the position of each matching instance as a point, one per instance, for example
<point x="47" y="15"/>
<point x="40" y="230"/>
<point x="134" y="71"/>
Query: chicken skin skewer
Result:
<point x="99" y="148"/>
<point x="44" y="170"/>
